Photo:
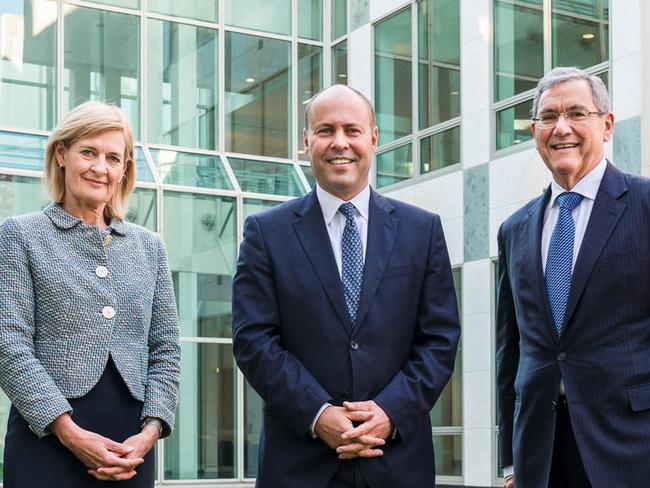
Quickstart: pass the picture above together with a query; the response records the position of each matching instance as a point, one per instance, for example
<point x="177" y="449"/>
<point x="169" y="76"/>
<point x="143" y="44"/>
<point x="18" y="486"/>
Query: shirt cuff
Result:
<point x="312" y="426"/>
<point x="508" y="471"/>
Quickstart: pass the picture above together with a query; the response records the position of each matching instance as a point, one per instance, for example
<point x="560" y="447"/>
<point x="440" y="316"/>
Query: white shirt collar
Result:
<point x="330" y="204"/>
<point x="587" y="186"/>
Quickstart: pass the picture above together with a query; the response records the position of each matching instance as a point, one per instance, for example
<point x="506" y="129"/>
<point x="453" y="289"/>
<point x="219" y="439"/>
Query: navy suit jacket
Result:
<point x="603" y="353"/>
<point x="293" y="339"/>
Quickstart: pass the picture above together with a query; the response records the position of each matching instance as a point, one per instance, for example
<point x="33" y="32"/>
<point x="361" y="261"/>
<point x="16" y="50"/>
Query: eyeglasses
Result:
<point x="575" y="118"/>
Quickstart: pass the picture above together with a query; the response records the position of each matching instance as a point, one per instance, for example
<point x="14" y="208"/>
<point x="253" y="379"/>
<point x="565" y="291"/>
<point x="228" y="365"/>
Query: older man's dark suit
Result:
<point x="603" y="353"/>
<point x="294" y="342"/>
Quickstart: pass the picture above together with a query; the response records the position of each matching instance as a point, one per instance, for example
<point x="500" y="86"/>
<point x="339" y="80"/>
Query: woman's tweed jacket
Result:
<point x="61" y="315"/>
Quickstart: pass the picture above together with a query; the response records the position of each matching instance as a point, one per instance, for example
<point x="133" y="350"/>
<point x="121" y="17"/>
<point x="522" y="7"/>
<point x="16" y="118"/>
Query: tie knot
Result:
<point x="569" y="200"/>
<point x="347" y="209"/>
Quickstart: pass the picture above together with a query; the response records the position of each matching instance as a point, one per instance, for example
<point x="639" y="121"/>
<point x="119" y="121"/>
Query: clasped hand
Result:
<point x="105" y="458"/>
<point x="335" y="427"/>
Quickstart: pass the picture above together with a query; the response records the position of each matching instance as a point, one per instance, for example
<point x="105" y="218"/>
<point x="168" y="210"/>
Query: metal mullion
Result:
<point x="547" y="32"/>
<point x="29" y="132"/>
<point x="301" y="176"/>
<point x="327" y="43"/>
<point x="441" y="127"/>
<point x="199" y="190"/>
<point x="258" y="33"/>
<point x="240" y="427"/>
<point x="183" y="20"/>
<point x="415" y="94"/>
<point x="221" y="81"/>
<point x="206" y="340"/>
<point x="311" y="42"/>
<point x="103" y="7"/>
<point x="146" y="184"/>
<point x="293" y="66"/>
<point x="393" y="144"/>
<point x="144" y="71"/>
<point x="512" y="101"/>
<point x="255" y="157"/>
<point x="60" y="40"/>
<point x="30" y="173"/>
<point x="184" y="149"/>
<point x="152" y="167"/>
<point x="266" y="196"/>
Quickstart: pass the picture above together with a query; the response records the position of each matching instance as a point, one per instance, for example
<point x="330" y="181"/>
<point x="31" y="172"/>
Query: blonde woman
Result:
<point x="89" y="339"/>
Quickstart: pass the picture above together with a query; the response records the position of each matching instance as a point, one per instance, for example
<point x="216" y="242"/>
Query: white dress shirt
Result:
<point x="587" y="187"/>
<point x="335" y="223"/>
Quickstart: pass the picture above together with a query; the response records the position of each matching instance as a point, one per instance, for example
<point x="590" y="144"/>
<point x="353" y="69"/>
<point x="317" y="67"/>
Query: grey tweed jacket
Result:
<point x="70" y="296"/>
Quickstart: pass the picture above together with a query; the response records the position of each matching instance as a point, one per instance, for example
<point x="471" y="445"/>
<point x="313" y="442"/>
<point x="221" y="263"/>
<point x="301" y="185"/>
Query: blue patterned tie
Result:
<point x="352" y="259"/>
<point x="559" y="261"/>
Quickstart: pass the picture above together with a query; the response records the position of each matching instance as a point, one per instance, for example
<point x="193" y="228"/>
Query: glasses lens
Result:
<point x="548" y="119"/>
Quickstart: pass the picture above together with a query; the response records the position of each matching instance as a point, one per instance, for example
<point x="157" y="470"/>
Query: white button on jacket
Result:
<point x="101" y="271"/>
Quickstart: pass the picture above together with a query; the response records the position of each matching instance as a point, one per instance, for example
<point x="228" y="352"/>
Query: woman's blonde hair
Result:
<point x="87" y="120"/>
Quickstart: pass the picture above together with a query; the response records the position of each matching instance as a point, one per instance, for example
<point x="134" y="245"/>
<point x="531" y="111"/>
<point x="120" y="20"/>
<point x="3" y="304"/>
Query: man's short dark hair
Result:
<point x="371" y="109"/>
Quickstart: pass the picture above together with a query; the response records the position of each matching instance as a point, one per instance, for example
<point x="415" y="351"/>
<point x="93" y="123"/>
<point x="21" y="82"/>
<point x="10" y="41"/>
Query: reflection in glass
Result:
<point x="102" y="60"/>
<point x="394" y="165"/>
<point x="120" y="3"/>
<point x="310" y="19"/>
<point x="339" y="18"/>
<point x="439" y="61"/>
<point x="142" y="171"/>
<point x="518" y="46"/>
<point x="513" y="125"/>
<point x="449" y="454"/>
<point x="257" y="95"/>
<point x="580" y="32"/>
<point x="309" y="174"/>
<point x="440" y="150"/>
<point x="180" y="168"/>
<point x="22" y="151"/>
<point x="28" y="64"/>
<point x="203" y="444"/>
<point x="254" y="205"/>
<point x="196" y="9"/>
<point x="267" y="177"/>
<point x="182" y="84"/>
<point x="340" y="63"/>
<point x="393" y="76"/>
<point x="142" y="208"/>
<point x="310" y="81"/>
<point x="200" y="234"/>
<point x="252" y="430"/>
<point x="20" y="195"/>
<point x="264" y="15"/>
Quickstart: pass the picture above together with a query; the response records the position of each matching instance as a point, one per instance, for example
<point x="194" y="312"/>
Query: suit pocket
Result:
<point x="639" y="397"/>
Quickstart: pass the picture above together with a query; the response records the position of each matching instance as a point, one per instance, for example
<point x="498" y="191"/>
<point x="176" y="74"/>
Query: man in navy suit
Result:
<point x="573" y="326"/>
<point x="345" y="318"/>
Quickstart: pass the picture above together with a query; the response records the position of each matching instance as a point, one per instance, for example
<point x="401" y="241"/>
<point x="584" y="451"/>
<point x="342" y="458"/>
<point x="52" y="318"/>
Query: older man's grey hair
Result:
<point x="562" y="75"/>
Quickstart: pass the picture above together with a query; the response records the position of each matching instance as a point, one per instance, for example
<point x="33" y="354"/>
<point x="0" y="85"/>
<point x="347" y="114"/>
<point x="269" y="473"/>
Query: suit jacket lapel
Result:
<point x="531" y="248"/>
<point x="606" y="212"/>
<point x="382" y="229"/>
<point x="312" y="233"/>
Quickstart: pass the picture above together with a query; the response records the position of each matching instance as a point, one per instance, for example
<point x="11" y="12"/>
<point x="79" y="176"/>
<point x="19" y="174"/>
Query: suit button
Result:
<point x="108" y="312"/>
<point x="354" y="345"/>
<point x="101" y="271"/>
<point x="561" y="357"/>
<point x="554" y="405"/>
<point x="345" y="395"/>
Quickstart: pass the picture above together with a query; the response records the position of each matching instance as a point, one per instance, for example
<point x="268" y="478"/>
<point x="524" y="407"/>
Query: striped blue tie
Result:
<point x="559" y="261"/>
<point x="352" y="260"/>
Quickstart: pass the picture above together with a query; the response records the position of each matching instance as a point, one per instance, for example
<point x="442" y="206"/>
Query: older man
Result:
<point x="344" y="318"/>
<point x="573" y="327"/>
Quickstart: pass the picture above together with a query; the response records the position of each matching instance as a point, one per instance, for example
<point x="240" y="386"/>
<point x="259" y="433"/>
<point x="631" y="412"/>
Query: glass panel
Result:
<point x="142" y="171"/>
<point x="252" y="206"/>
<point x="182" y="85"/>
<point x="179" y="168"/>
<point x="513" y="125"/>
<point x="22" y="151"/>
<point x="518" y="46"/>
<point x="142" y="208"/>
<point x="267" y="177"/>
<point x="440" y="150"/>
<point x="102" y="60"/>
<point x="120" y="3"/>
<point x="196" y="9"/>
<point x="200" y="232"/>
<point x="5" y="405"/>
<point x="252" y="430"/>
<point x="309" y="174"/>
<point x="28" y="64"/>
<point x="203" y="444"/>
<point x="449" y="454"/>
<point x="257" y="98"/>
<point x="263" y="15"/>
<point x="310" y="81"/>
<point x="339" y="18"/>
<point x="580" y="32"/>
<point x="310" y="19"/>
<point x="439" y="61"/>
<point x="393" y="76"/>
<point x="394" y="165"/>
<point x="340" y="63"/>
<point x="20" y="195"/>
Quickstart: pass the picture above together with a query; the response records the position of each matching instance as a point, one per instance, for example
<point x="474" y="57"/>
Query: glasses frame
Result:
<point x="569" y="119"/>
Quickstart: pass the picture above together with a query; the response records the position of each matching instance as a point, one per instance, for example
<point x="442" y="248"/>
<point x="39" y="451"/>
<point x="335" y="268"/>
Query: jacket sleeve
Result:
<point x="507" y="336"/>
<point x="279" y="377"/>
<point x="161" y="391"/>
<point x="413" y="391"/>
<point x="22" y="377"/>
